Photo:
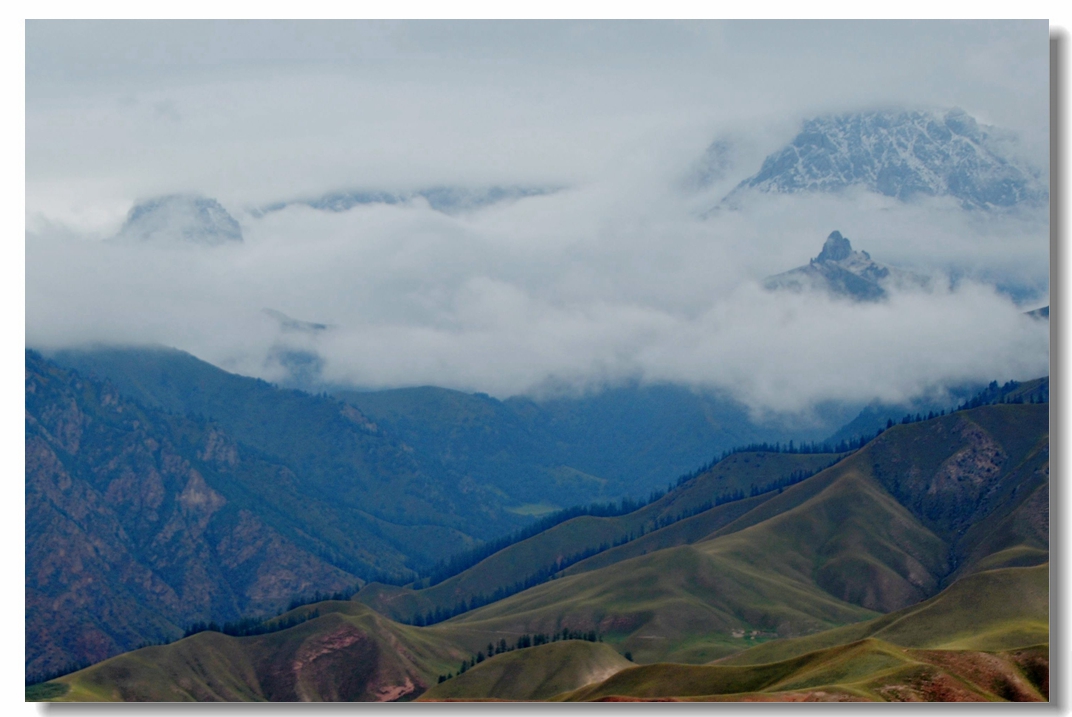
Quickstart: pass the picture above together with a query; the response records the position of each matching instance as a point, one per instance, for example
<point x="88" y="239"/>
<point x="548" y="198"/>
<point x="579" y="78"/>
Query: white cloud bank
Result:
<point x="614" y="278"/>
<point x="573" y="288"/>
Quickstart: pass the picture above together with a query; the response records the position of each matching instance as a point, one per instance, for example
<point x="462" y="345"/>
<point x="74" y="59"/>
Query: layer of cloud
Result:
<point x="616" y="277"/>
<point x="581" y="288"/>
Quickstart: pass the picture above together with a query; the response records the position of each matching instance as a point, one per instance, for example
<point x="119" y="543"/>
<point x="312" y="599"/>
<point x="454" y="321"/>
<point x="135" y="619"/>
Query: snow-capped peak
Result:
<point x="903" y="154"/>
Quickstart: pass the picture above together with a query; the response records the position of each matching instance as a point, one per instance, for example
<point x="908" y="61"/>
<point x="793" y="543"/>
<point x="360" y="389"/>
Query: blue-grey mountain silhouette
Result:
<point x="904" y="154"/>
<point x="449" y="200"/>
<point x="840" y="270"/>
<point x="179" y="218"/>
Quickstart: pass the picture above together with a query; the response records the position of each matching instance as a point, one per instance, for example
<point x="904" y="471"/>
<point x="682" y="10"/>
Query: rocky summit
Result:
<point x="840" y="270"/>
<point x="907" y="155"/>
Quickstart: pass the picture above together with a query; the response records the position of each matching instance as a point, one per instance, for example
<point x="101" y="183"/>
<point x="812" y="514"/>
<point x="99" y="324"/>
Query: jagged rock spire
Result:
<point x="836" y="248"/>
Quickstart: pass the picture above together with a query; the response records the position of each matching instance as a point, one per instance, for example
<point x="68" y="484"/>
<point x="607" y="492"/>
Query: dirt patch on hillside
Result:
<point x="990" y="672"/>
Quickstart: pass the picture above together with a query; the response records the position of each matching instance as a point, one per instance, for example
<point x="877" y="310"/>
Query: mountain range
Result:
<point x="258" y="495"/>
<point x="192" y="534"/>
<point x="899" y="153"/>
<point x="913" y="568"/>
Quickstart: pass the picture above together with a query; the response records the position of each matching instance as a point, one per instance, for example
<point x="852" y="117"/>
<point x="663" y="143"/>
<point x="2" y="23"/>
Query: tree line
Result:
<point x="549" y="572"/>
<point x="462" y="561"/>
<point x="524" y="641"/>
<point x="992" y="395"/>
<point x="248" y="626"/>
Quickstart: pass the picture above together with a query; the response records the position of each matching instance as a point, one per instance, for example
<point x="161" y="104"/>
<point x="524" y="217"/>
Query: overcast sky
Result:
<point x="615" y="276"/>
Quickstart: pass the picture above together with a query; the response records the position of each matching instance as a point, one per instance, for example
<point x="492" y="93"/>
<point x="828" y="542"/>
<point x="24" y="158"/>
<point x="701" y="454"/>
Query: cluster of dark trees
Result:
<point x="808" y="448"/>
<point x="523" y="642"/>
<point x="481" y="599"/>
<point x="991" y="395"/>
<point x="792" y="479"/>
<point x="994" y="394"/>
<point x="37" y="678"/>
<point x="909" y="418"/>
<point x="247" y="626"/>
<point x="320" y="597"/>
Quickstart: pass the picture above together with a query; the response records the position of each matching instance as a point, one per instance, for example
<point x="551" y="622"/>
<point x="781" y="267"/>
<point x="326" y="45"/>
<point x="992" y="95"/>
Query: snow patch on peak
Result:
<point x="903" y="154"/>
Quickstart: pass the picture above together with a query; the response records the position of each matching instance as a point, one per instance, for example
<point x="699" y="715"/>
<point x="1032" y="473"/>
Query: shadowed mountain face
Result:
<point x="513" y="458"/>
<point x="905" y="155"/>
<point x="138" y="523"/>
<point x="327" y="443"/>
<point x="840" y="271"/>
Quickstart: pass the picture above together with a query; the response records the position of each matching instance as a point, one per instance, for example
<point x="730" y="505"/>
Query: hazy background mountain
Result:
<point x="448" y="200"/>
<point x="177" y="218"/>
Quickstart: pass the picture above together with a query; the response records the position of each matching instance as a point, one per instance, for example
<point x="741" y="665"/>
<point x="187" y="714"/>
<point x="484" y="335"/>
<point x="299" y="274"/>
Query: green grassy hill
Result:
<point x="533" y="674"/>
<point x="868" y="670"/>
<point x="976" y="641"/>
<point x="994" y="610"/>
<point x="825" y="551"/>
<point x="838" y="550"/>
<point x="983" y="638"/>
<point x="663" y="523"/>
<point x="348" y="653"/>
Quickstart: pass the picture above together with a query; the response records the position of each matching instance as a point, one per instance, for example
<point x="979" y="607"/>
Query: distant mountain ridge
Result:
<point x="180" y="218"/>
<point x="903" y="154"/>
<point x="445" y="199"/>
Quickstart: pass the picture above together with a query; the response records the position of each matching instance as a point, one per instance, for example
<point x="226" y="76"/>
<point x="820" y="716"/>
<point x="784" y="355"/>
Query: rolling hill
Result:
<point x="346" y="653"/>
<point x="828" y="550"/>
<point x="687" y="513"/>
<point x="982" y="639"/>
<point x="869" y="670"/>
<point x="533" y="674"/>
<point x="797" y="553"/>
